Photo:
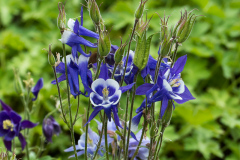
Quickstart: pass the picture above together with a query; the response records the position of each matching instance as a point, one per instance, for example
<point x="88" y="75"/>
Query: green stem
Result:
<point x="159" y="141"/>
<point x="105" y="133"/>
<point x="125" y="123"/>
<point x="175" y="53"/>
<point x="143" y="132"/>
<point x="100" y="140"/>
<point x="60" y="98"/>
<point x="129" y="45"/>
<point x="131" y="113"/>
<point x="69" y="104"/>
<point x="114" y="70"/>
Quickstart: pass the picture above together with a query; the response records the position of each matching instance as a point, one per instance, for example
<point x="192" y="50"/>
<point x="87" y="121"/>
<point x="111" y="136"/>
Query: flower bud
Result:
<point x="18" y="83"/>
<point x="104" y="43"/>
<point x="61" y="20"/>
<point x="118" y="56"/>
<point x="166" y="45"/>
<point x="51" y="58"/>
<point x="153" y="130"/>
<point x="94" y="12"/>
<point x="167" y="115"/>
<point x="142" y="51"/>
<point x="112" y="134"/>
<point x="50" y="127"/>
<point x="139" y="11"/>
<point x="163" y="28"/>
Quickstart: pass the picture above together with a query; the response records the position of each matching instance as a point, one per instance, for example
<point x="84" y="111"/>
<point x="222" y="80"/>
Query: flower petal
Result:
<point x="5" y="106"/>
<point x="95" y="99"/>
<point x="8" y="145"/>
<point x="10" y="135"/>
<point x="186" y="96"/>
<point x="27" y="124"/>
<point x="94" y="113"/>
<point x="164" y="106"/>
<point x="112" y="86"/>
<point x="103" y="72"/>
<point x="22" y="140"/>
<point x="180" y="89"/>
<point x="141" y="90"/>
<point x="98" y="86"/>
<point x="135" y="121"/>
<point x="16" y="118"/>
<point x="179" y="64"/>
<point x="126" y="88"/>
<point x="37" y="88"/>
<point x="116" y="97"/>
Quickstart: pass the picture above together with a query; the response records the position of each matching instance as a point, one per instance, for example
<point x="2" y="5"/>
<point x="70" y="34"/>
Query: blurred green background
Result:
<point x="207" y="128"/>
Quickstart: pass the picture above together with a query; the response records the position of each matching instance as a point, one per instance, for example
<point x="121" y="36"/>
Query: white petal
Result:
<point x="181" y="87"/>
<point x="65" y="36"/>
<point x="167" y="86"/>
<point x="82" y="59"/>
<point x="112" y="83"/>
<point x="92" y="94"/>
<point x="165" y="76"/>
<point x="97" y="82"/>
<point x="68" y="58"/>
<point x="117" y="94"/>
<point x="71" y="23"/>
<point x="174" y="96"/>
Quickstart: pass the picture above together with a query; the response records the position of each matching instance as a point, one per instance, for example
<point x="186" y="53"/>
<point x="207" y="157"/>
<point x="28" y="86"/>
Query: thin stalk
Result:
<point x="60" y="98"/>
<point x="100" y="140"/>
<point x="143" y="132"/>
<point x="41" y="147"/>
<point x="75" y="119"/>
<point x="175" y="53"/>
<point x="114" y="70"/>
<point x="129" y="45"/>
<point x="160" y="138"/>
<point x="27" y="153"/>
<point x="131" y="113"/>
<point x="105" y="133"/>
<point x="125" y="122"/>
<point x="69" y="104"/>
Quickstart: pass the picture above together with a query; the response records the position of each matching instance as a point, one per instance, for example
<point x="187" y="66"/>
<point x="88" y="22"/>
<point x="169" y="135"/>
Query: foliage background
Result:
<point x="206" y="128"/>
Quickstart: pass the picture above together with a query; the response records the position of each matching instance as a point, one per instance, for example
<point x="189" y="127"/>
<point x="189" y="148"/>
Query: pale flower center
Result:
<point x="105" y="93"/>
<point x="7" y="124"/>
<point x="174" y="82"/>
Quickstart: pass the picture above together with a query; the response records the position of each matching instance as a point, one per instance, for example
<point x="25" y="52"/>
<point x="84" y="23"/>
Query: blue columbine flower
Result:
<point x="72" y="37"/>
<point x="143" y="151"/>
<point x="50" y="127"/>
<point x="92" y="142"/>
<point x="37" y="88"/>
<point x="169" y="86"/>
<point x="106" y="94"/>
<point x="75" y="67"/>
<point x="11" y="125"/>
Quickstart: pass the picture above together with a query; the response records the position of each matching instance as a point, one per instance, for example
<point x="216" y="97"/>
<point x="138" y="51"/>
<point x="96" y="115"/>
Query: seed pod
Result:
<point x="51" y="58"/>
<point x="118" y="56"/>
<point x="94" y="12"/>
<point x="61" y="20"/>
<point x="17" y="83"/>
<point x="139" y="11"/>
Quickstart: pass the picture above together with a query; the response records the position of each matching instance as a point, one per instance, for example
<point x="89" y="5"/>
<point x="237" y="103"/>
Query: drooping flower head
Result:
<point x="75" y="67"/>
<point x="11" y="125"/>
<point x="92" y="142"/>
<point x="35" y="90"/>
<point x="72" y="37"/>
<point x="50" y="127"/>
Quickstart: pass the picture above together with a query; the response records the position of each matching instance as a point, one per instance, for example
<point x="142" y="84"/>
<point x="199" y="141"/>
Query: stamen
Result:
<point x="7" y="124"/>
<point x="105" y="93"/>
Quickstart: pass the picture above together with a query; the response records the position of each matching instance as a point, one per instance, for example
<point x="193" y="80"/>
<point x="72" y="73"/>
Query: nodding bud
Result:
<point x="112" y="135"/>
<point x="61" y="20"/>
<point x="167" y="115"/>
<point x="17" y="83"/>
<point x="94" y="12"/>
<point x="184" y="28"/>
<point x="142" y="48"/>
<point x="139" y="11"/>
<point x="51" y="58"/>
<point x="104" y="43"/>
<point x="118" y="56"/>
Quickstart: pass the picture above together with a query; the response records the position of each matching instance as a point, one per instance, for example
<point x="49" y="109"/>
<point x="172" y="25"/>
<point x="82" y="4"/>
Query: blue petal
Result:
<point x="142" y="90"/>
<point x="164" y="106"/>
<point x="136" y="119"/>
<point x="108" y="111"/>
<point x="112" y="86"/>
<point x="37" y="88"/>
<point x="158" y="96"/>
<point x="186" y="96"/>
<point x="73" y="80"/>
<point x="98" y="85"/>
<point x="70" y="149"/>
<point x="10" y="135"/>
<point x="95" y="99"/>
<point x="74" y="50"/>
<point x="22" y="140"/>
<point x="116" y="118"/>
<point x="103" y="72"/>
<point x="8" y="145"/>
<point x="126" y="88"/>
<point x="86" y="32"/>
<point x="3" y="116"/>
<point x="60" y="68"/>
<point x="5" y="106"/>
<point x="81" y="14"/>
<point x="60" y="79"/>
<point x="94" y="113"/>
<point x="78" y="154"/>
<point x="76" y="27"/>
<point x="79" y="49"/>
<point x="16" y="118"/>
<point x="179" y="64"/>
<point x="27" y="124"/>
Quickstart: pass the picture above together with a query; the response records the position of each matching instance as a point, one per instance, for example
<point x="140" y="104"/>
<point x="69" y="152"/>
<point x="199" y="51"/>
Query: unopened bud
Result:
<point x="112" y="134"/>
<point x="166" y="46"/>
<point x="139" y="11"/>
<point x="104" y="43"/>
<point x="61" y="20"/>
<point x="167" y="115"/>
<point x="118" y="56"/>
<point x="94" y="12"/>
<point x="51" y="58"/>
<point x="18" y="83"/>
